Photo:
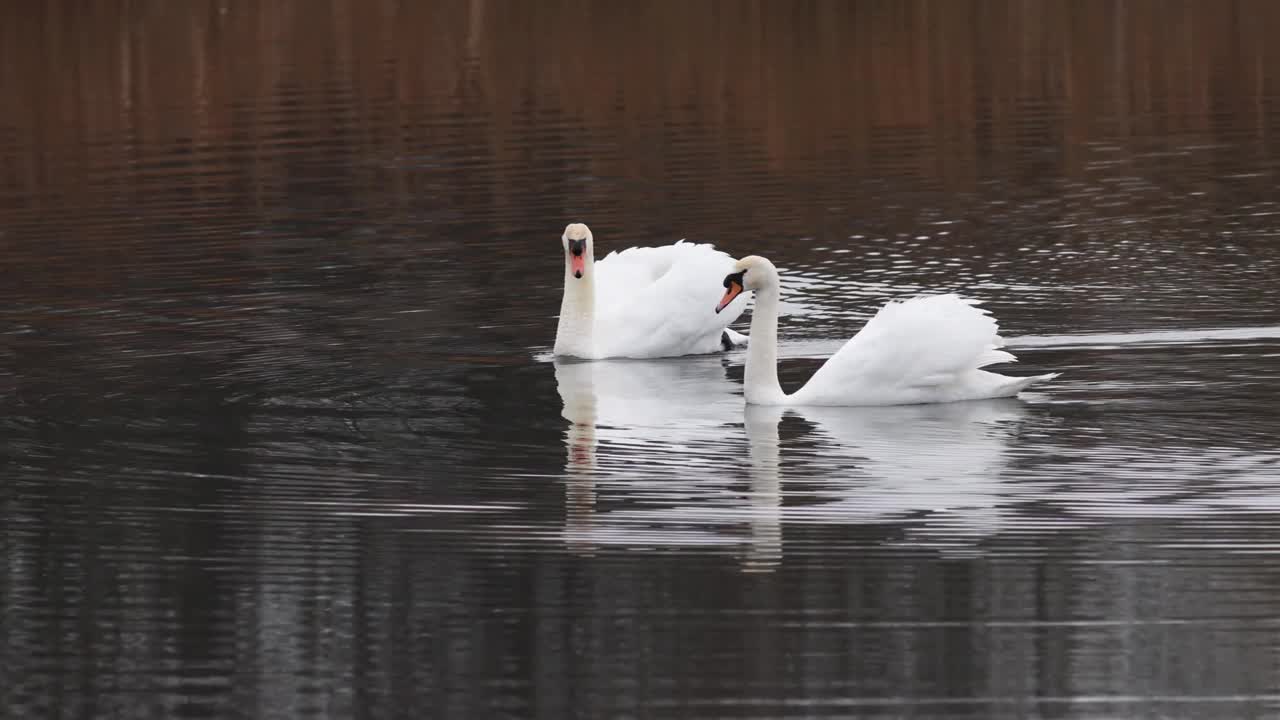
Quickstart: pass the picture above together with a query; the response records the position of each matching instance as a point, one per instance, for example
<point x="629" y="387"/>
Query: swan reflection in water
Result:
<point x="662" y="442"/>
<point x="654" y="432"/>
<point x="937" y="470"/>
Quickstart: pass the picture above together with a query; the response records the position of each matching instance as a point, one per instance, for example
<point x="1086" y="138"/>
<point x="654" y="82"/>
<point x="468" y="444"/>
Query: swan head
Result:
<point x="750" y="273"/>
<point x="577" y="247"/>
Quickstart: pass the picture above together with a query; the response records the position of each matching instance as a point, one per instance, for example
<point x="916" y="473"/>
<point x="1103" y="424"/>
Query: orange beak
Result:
<point x="577" y="257"/>
<point x="733" y="291"/>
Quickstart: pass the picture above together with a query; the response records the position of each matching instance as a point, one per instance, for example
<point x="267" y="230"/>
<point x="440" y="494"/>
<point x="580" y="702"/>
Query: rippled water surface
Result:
<point x="280" y="435"/>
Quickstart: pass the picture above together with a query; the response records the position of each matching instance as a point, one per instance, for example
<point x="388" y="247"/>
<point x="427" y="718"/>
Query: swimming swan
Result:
<point x="922" y="350"/>
<point x="642" y="302"/>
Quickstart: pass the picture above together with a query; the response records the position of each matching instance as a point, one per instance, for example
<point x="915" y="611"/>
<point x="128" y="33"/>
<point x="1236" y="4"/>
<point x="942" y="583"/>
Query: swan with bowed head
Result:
<point x="643" y="302"/>
<point x="924" y="350"/>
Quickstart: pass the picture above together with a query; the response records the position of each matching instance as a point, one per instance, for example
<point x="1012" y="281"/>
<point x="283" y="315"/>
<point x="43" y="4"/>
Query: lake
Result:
<point x="281" y="435"/>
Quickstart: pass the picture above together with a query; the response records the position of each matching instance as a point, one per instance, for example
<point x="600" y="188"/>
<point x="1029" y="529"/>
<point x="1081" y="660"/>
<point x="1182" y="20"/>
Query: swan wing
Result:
<point x="660" y="301"/>
<point x="921" y="350"/>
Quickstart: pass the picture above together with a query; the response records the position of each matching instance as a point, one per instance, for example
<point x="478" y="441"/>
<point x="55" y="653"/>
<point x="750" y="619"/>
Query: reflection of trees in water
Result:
<point x="206" y="588"/>
<point x="377" y="150"/>
<point x="450" y="104"/>
<point x="203" y="552"/>
<point x="342" y="615"/>
<point x="966" y="74"/>
<point x="239" y="204"/>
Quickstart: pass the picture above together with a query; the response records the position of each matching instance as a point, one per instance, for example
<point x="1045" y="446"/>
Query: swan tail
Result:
<point x="993" y="356"/>
<point x="730" y="339"/>
<point x="1008" y="386"/>
<point x="926" y="349"/>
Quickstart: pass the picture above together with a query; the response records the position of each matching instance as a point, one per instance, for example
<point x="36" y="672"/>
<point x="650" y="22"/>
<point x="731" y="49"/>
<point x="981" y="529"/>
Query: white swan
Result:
<point x="923" y="350"/>
<point x="642" y="302"/>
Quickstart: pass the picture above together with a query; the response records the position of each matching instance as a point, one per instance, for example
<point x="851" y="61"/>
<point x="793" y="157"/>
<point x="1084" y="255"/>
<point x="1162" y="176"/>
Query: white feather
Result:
<point x="923" y="350"/>
<point x="649" y="302"/>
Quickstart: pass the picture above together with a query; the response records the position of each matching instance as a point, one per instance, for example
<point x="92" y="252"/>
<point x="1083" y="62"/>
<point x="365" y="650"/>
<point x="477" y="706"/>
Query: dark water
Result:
<point x="279" y="436"/>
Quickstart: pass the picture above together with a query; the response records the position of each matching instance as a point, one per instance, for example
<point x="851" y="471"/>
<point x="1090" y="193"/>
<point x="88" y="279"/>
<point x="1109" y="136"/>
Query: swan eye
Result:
<point x="732" y="278"/>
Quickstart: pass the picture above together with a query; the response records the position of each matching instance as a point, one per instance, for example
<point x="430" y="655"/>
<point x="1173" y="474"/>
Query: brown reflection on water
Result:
<point x="153" y="148"/>
<point x="941" y="93"/>
<point x="308" y="171"/>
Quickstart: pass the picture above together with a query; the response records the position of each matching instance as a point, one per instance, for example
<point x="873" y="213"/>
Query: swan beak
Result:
<point x="578" y="257"/>
<point x="732" y="292"/>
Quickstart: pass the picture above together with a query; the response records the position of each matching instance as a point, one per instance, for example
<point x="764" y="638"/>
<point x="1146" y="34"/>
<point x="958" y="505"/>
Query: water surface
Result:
<point x="280" y="435"/>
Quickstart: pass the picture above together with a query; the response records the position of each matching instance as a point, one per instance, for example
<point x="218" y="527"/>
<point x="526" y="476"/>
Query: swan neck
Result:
<point x="575" y="334"/>
<point x="760" y="384"/>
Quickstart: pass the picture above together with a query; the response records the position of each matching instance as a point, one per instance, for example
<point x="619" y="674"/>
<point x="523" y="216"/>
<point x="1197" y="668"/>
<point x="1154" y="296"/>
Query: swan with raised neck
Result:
<point x="575" y="334"/>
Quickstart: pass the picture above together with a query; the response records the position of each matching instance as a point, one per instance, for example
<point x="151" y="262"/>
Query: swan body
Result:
<point x="923" y="350"/>
<point x="645" y="302"/>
